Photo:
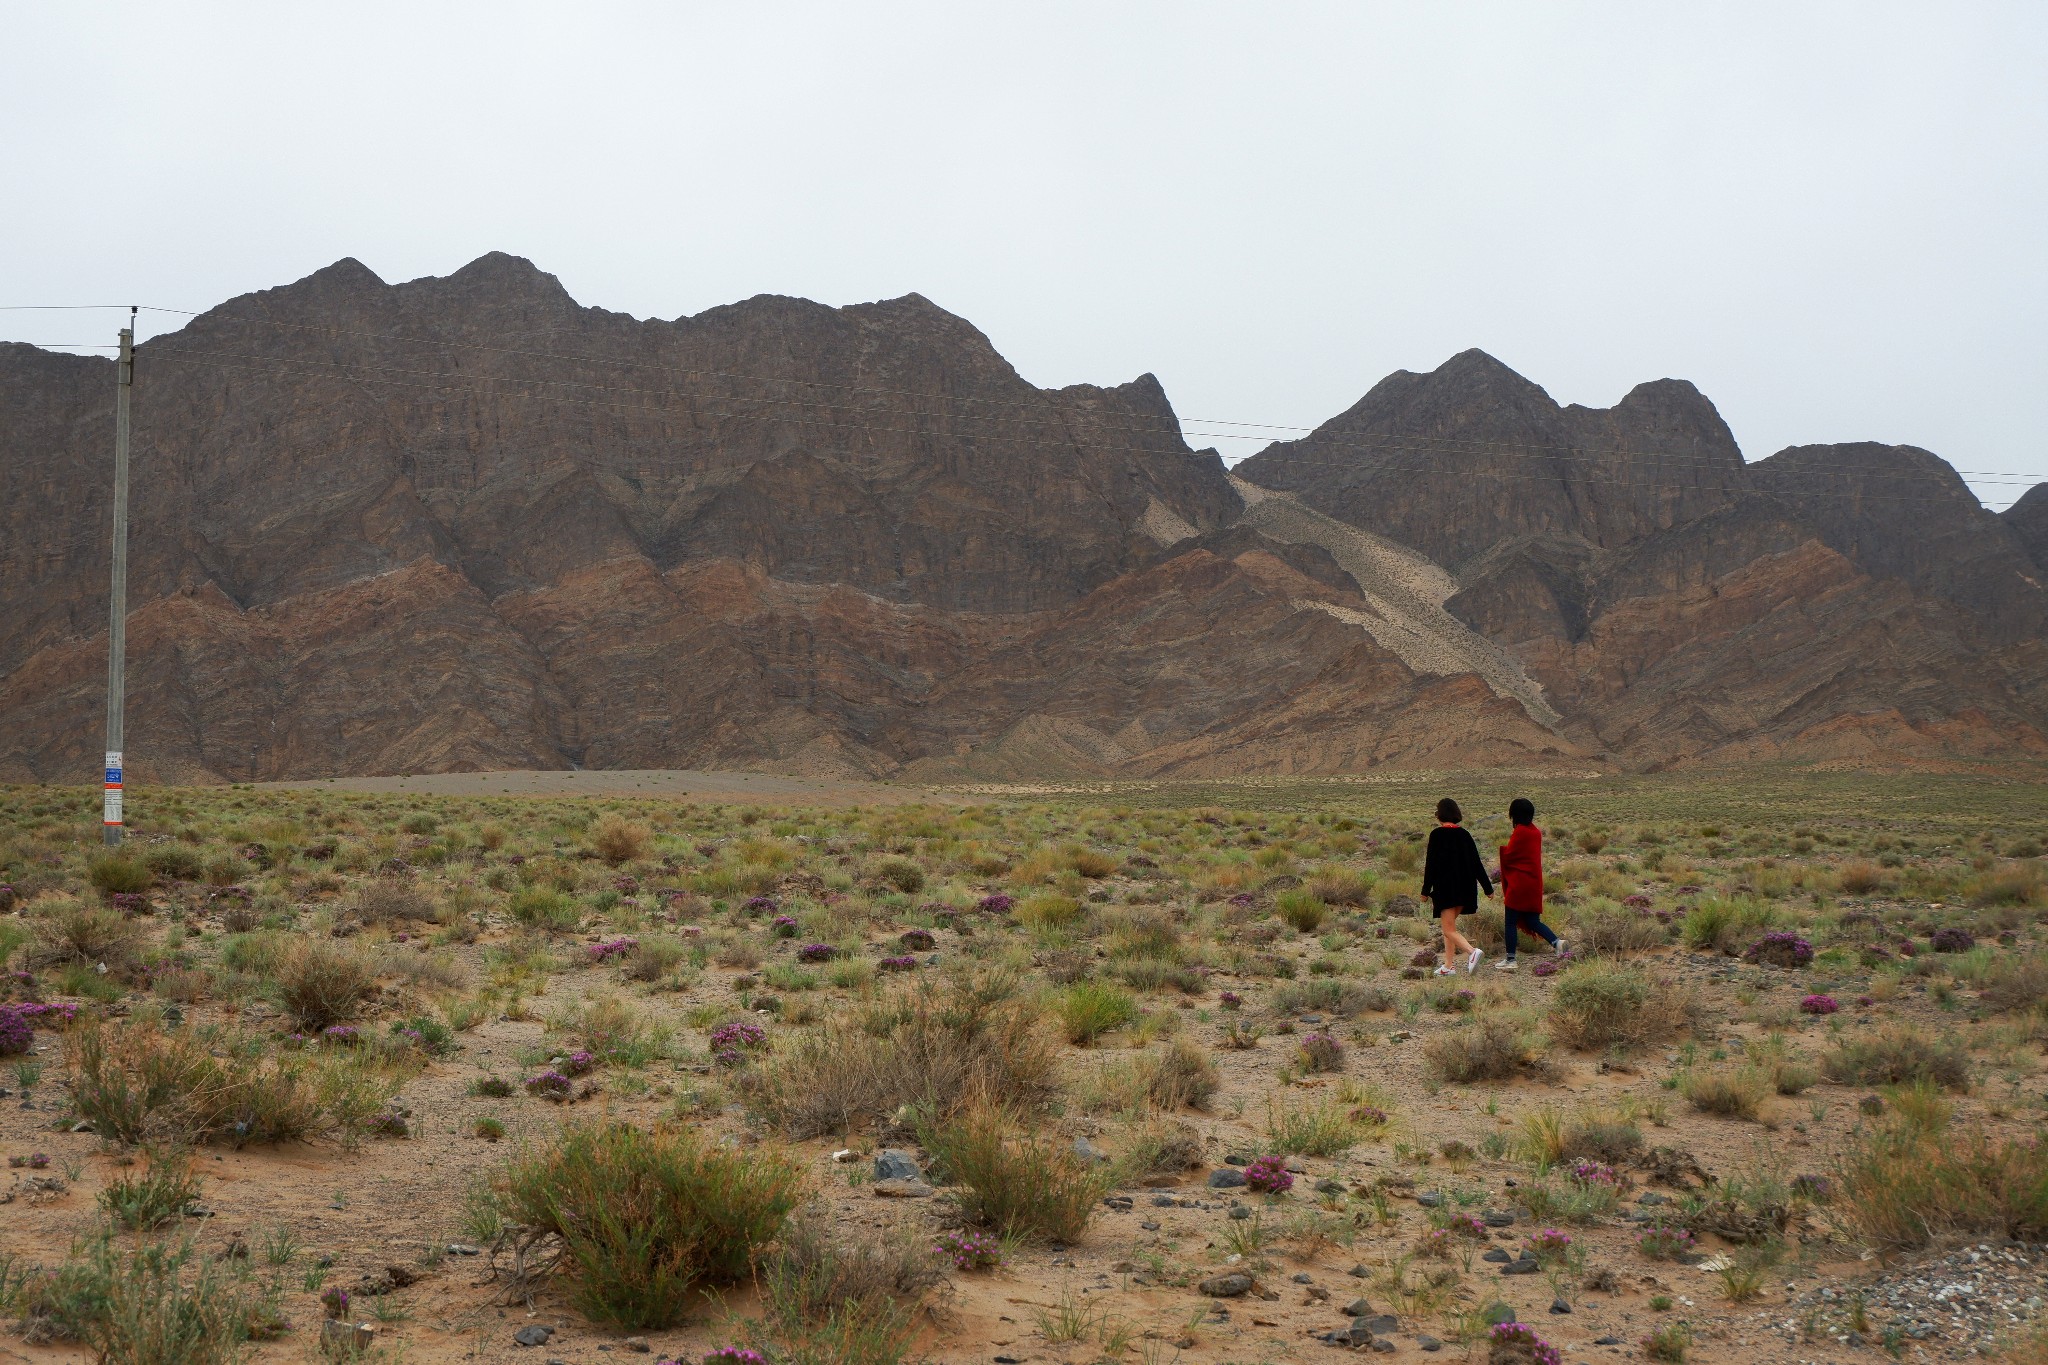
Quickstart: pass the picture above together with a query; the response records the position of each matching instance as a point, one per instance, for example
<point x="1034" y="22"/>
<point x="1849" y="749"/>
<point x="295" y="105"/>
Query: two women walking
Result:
<point x="1453" y="876"/>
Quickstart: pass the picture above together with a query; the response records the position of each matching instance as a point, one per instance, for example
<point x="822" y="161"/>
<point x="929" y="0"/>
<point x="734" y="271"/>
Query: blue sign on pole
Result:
<point x="114" y="775"/>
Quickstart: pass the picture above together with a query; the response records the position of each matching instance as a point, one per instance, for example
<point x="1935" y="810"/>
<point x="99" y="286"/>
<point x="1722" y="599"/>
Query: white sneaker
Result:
<point x="1506" y="964"/>
<point x="1557" y="948"/>
<point x="1472" y="960"/>
<point x="1445" y="971"/>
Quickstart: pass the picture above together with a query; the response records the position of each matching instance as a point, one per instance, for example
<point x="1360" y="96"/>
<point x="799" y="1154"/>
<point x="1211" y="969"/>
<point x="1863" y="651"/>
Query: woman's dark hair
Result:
<point x="1522" y="811"/>
<point x="1448" y="812"/>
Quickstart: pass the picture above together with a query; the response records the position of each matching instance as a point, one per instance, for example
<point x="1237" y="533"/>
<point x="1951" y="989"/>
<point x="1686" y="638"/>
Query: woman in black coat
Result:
<point x="1452" y="877"/>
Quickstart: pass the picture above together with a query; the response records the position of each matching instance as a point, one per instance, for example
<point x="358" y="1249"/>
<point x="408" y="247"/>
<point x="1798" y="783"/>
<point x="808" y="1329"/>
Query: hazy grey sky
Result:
<point x="1833" y="218"/>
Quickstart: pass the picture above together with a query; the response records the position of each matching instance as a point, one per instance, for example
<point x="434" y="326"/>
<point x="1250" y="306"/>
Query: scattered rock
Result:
<point x="894" y="1164"/>
<point x="1560" y="1306"/>
<point x="1428" y="1342"/>
<point x="903" y="1189"/>
<point x="532" y="1335"/>
<point x="1226" y="1178"/>
<point x="1225" y="1286"/>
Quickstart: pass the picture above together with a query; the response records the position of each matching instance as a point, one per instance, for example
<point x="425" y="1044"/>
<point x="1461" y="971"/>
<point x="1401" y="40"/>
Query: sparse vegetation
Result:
<point x="1061" y="998"/>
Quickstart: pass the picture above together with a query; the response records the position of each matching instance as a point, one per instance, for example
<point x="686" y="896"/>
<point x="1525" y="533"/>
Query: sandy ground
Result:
<point x="682" y="783"/>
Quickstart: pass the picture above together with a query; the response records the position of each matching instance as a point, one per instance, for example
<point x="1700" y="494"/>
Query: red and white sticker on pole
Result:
<point x="113" y="809"/>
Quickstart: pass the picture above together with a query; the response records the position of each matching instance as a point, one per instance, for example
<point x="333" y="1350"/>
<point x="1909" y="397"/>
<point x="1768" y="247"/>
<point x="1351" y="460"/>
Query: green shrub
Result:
<point x="142" y="1203"/>
<point x="901" y="873"/>
<point x="1050" y="913"/>
<point x="136" y="1082"/>
<point x="259" y="952"/>
<point x="1601" y="1004"/>
<point x="393" y="900"/>
<point x="1725" y="926"/>
<point x="112" y="872"/>
<point x="617" y="840"/>
<point x="160" y="1304"/>
<point x="1182" y="1074"/>
<point x="1730" y="1091"/>
<point x="174" y="860"/>
<point x="644" y="1218"/>
<point x="1337" y="885"/>
<point x="932" y="1046"/>
<point x="1302" y="909"/>
<point x="1090" y="1009"/>
<point x="1899" y="1056"/>
<point x="90" y="935"/>
<point x="1602" y="928"/>
<point x="845" y="1301"/>
<point x="657" y="956"/>
<point x="1091" y="863"/>
<point x="1903" y="1188"/>
<point x="1321" y="1128"/>
<point x="546" y="909"/>
<point x="2011" y="982"/>
<point x="1491" y="1048"/>
<point x="323" y="983"/>
<point x="2014" y="884"/>
<point x="1786" y="1074"/>
<point x="1023" y="1185"/>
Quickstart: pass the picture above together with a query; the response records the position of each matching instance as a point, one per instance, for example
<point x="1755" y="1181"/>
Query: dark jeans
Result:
<point x="1532" y="920"/>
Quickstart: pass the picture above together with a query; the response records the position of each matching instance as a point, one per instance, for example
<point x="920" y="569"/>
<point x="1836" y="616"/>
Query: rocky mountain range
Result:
<point x="466" y="522"/>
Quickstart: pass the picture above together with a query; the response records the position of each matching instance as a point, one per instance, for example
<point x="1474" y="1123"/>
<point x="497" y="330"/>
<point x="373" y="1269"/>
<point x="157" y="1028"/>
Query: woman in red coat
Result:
<point x="1521" y="881"/>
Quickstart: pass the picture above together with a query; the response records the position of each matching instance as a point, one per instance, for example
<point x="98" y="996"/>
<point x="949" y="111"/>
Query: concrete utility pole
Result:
<point x="117" y="626"/>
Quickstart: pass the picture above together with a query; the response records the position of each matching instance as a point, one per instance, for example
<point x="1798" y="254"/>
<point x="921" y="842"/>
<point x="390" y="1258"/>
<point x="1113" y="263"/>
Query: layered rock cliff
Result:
<point x="469" y="523"/>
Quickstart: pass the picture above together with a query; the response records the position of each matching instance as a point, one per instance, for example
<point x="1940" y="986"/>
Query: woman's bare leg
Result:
<point x="1456" y="945"/>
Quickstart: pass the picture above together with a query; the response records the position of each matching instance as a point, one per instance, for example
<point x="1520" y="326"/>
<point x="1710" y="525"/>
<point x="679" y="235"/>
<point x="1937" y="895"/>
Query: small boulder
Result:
<point x="532" y="1335"/>
<point x="892" y="1163"/>
<point x="903" y="1189"/>
<point x="1226" y="1178"/>
<point x="1226" y="1286"/>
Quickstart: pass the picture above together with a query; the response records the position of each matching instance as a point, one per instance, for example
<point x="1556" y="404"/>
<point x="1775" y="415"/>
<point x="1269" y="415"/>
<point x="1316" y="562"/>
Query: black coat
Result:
<point x="1452" y="873"/>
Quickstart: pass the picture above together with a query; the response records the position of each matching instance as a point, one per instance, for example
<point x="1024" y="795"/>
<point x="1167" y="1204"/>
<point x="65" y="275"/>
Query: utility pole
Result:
<point x="117" y="625"/>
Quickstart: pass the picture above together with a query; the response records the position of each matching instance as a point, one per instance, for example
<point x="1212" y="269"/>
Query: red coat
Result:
<point x="1521" y="870"/>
